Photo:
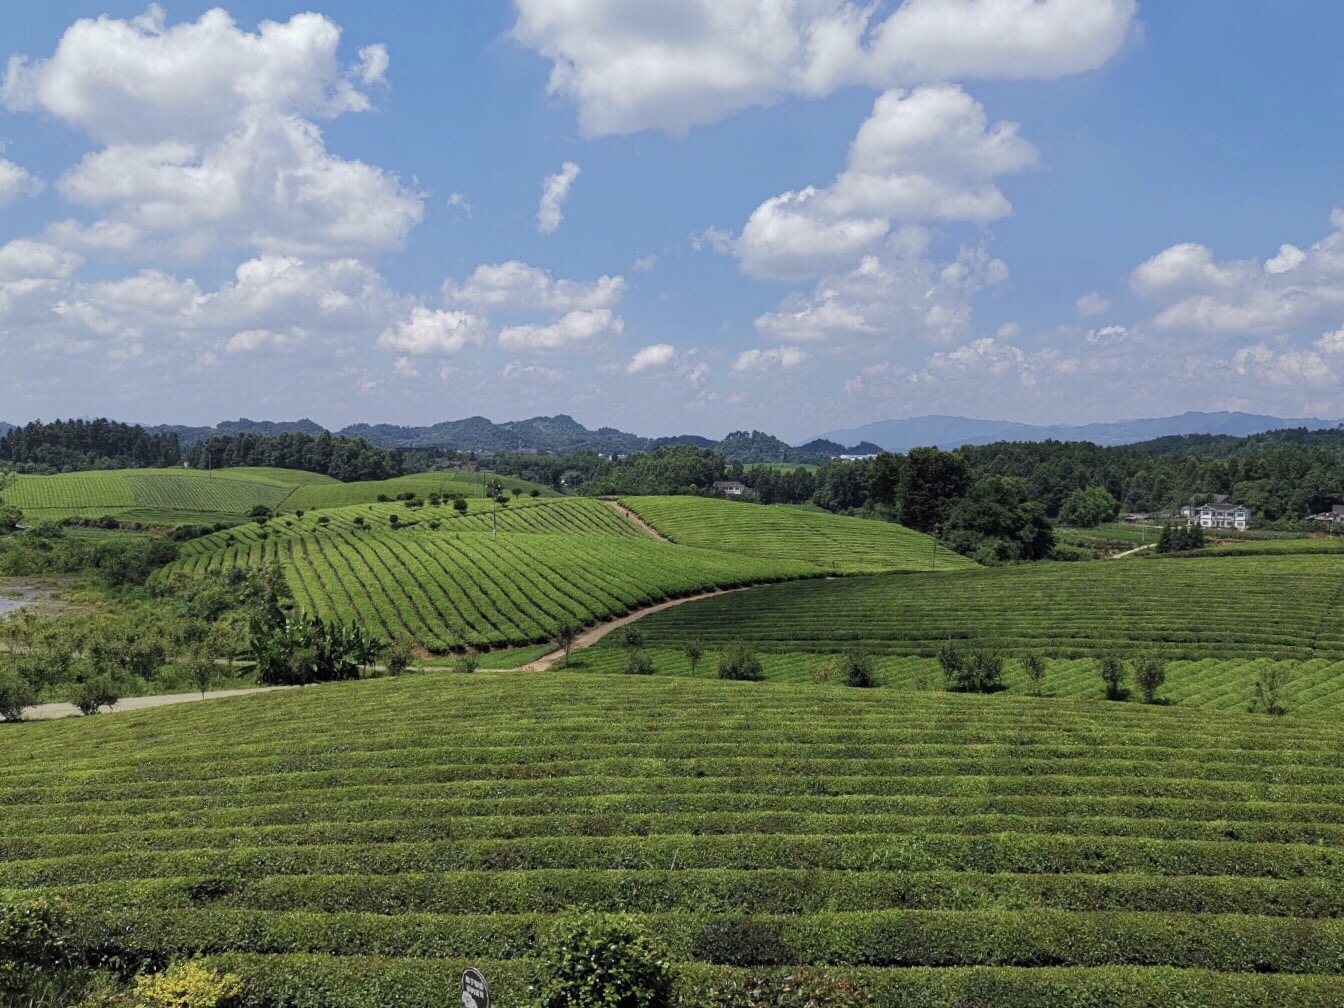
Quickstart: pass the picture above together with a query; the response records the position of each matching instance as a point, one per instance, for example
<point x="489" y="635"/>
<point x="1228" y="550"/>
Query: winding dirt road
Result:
<point x="637" y="521"/>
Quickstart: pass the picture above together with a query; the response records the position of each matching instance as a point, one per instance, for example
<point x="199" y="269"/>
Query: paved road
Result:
<point x="51" y="711"/>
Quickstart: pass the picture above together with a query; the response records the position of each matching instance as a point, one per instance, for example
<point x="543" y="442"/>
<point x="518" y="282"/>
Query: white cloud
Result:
<point x="16" y="181"/>
<point x="426" y="331"/>
<point x="23" y="259"/>
<point x="628" y="67"/>
<point x="644" y="264"/>
<point x="1091" y="304"/>
<point x="458" y="201"/>
<point x="898" y="294"/>
<point x="926" y="155"/>
<point x="1288" y="368"/>
<point x="554" y="194"/>
<point x="656" y="355"/>
<point x="515" y="285"/>
<point x="574" y="328"/>
<point x="209" y="136"/>
<point x="778" y="358"/>
<point x="1295" y="289"/>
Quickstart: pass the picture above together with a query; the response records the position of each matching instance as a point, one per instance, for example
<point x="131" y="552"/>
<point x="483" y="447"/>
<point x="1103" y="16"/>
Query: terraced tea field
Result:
<point x="356" y="845"/>
<point x="833" y="543"/>
<point x="1229" y="607"/>
<point x="444" y="580"/>
<point x="158" y="496"/>
<point x="333" y="494"/>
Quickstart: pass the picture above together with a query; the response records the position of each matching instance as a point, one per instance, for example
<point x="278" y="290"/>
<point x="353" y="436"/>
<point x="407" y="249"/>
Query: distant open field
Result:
<point x="1234" y="607"/>
<point x="157" y="496"/>
<point x="187" y="496"/>
<point x="831" y="542"/>
<point x="347" y="841"/>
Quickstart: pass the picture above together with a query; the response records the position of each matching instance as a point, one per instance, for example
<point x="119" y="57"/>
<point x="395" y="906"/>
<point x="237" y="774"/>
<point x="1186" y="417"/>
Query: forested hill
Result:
<point x="1330" y="440"/>
<point x="75" y="445"/>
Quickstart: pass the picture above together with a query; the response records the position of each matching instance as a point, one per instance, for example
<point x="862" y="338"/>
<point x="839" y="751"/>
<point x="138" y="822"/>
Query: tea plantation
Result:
<point x="832" y="542"/>
<point x="445" y="579"/>
<point x="356" y="845"/>
<point x="1282" y="606"/>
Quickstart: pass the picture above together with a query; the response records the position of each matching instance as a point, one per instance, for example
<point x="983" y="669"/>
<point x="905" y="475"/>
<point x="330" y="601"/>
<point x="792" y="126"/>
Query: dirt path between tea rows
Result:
<point x="636" y="520"/>
<point x="52" y="711"/>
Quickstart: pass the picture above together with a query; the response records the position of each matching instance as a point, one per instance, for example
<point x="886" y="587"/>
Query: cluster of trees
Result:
<point x="172" y="638"/>
<point x="113" y="561"/>
<point x="1178" y="538"/>
<point x="346" y="459"/>
<point x="74" y="445"/>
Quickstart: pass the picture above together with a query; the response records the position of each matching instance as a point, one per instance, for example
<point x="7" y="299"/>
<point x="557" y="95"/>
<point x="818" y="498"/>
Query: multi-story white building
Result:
<point x="1218" y="513"/>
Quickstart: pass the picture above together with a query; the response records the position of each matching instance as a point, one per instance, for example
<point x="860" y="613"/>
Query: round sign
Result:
<point x="475" y="991"/>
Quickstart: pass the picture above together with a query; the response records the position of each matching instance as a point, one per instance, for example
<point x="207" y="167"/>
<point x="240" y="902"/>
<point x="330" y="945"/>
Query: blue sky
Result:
<point x="785" y="214"/>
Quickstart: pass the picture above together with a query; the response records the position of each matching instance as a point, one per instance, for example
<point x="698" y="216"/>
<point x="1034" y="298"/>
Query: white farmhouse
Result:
<point x="731" y="488"/>
<point x="1218" y="513"/>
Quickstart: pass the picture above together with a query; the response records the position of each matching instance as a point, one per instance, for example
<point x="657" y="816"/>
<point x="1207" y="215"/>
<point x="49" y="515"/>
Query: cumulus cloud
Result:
<point x="899" y="294"/>
<point x="924" y="155"/>
<point x="1091" y="304"/>
<point x="554" y="194"/>
<point x="575" y="328"/>
<point x="516" y="285"/>
<point x="16" y="181"/>
<point x="776" y="359"/>
<point x="656" y="355"/>
<point x="209" y="136"/>
<point x="31" y="260"/>
<point x="628" y="67"/>
<point x="426" y="331"/>
<point x="1293" y="290"/>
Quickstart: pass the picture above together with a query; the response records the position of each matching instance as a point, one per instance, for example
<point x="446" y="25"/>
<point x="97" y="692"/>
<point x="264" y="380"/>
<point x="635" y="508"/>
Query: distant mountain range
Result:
<point x="954" y="431"/>
<point x="563" y="434"/>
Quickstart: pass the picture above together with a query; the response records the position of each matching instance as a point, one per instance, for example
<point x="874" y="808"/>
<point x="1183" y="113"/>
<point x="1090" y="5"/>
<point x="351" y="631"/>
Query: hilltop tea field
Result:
<point x="356" y="845"/>
<point x="494" y="576"/>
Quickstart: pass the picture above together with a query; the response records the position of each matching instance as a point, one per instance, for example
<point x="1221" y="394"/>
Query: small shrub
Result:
<point x="1112" y="671"/>
<point x="824" y="672"/>
<point x="1267" y="691"/>
<point x="15" y="694"/>
<point x="565" y="636"/>
<point x="1033" y="667"/>
<point x="856" y="669"/>
<point x="187" y="985"/>
<point x="324" y="519"/>
<point x="397" y="656"/>
<point x="93" y="694"/>
<point x="694" y="651"/>
<point x="32" y="939"/>
<point x="638" y="662"/>
<point x="467" y="663"/>
<point x="979" y="672"/>
<point x="597" y="962"/>
<point x="460" y="505"/>
<point x="740" y="662"/>
<point x="632" y="638"/>
<point x="1150" y="672"/>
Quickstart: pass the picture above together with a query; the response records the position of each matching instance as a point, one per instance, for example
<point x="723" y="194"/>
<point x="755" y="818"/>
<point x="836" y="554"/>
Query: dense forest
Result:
<point x="79" y="445"/>
<point x="73" y="445"/>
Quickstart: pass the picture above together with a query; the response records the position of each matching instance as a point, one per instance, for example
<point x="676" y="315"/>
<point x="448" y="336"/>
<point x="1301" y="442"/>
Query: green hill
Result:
<point x="466" y="484"/>
<point x="445" y="580"/>
<point x="357" y="845"/>
<point x="833" y="543"/>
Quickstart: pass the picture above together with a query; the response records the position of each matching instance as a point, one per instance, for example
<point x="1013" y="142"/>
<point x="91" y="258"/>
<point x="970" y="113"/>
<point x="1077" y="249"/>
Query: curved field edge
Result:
<point x="1282" y="607"/>
<point x="835" y="543"/>
<point x="931" y="847"/>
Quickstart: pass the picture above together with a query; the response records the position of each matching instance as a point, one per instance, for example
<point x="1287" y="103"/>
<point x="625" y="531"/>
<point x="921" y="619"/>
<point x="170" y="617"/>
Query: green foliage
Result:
<point x="397" y="656"/>
<point x="797" y="989"/>
<point x="1150" y="673"/>
<point x="95" y="693"/>
<point x="856" y="669"/>
<point x="1267" y="690"/>
<point x="565" y="636"/>
<point x="971" y="672"/>
<point x="1111" y="669"/>
<point x="1033" y="667"/>
<point x="10" y="517"/>
<point x="301" y="651"/>
<point x="16" y="693"/>
<point x="1180" y="538"/>
<point x="467" y="663"/>
<point x="694" y="651"/>
<point x="997" y="522"/>
<point x="638" y="662"/>
<point x="1089" y="507"/>
<point x="739" y="662"/>
<point x="34" y="935"/>
<point x="595" y="962"/>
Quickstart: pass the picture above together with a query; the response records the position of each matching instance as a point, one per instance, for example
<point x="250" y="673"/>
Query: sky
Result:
<point x="689" y="216"/>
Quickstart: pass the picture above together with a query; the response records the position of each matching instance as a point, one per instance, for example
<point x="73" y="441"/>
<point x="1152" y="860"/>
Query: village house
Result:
<point x="1335" y="515"/>
<point x="1220" y="512"/>
<point x="730" y="487"/>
